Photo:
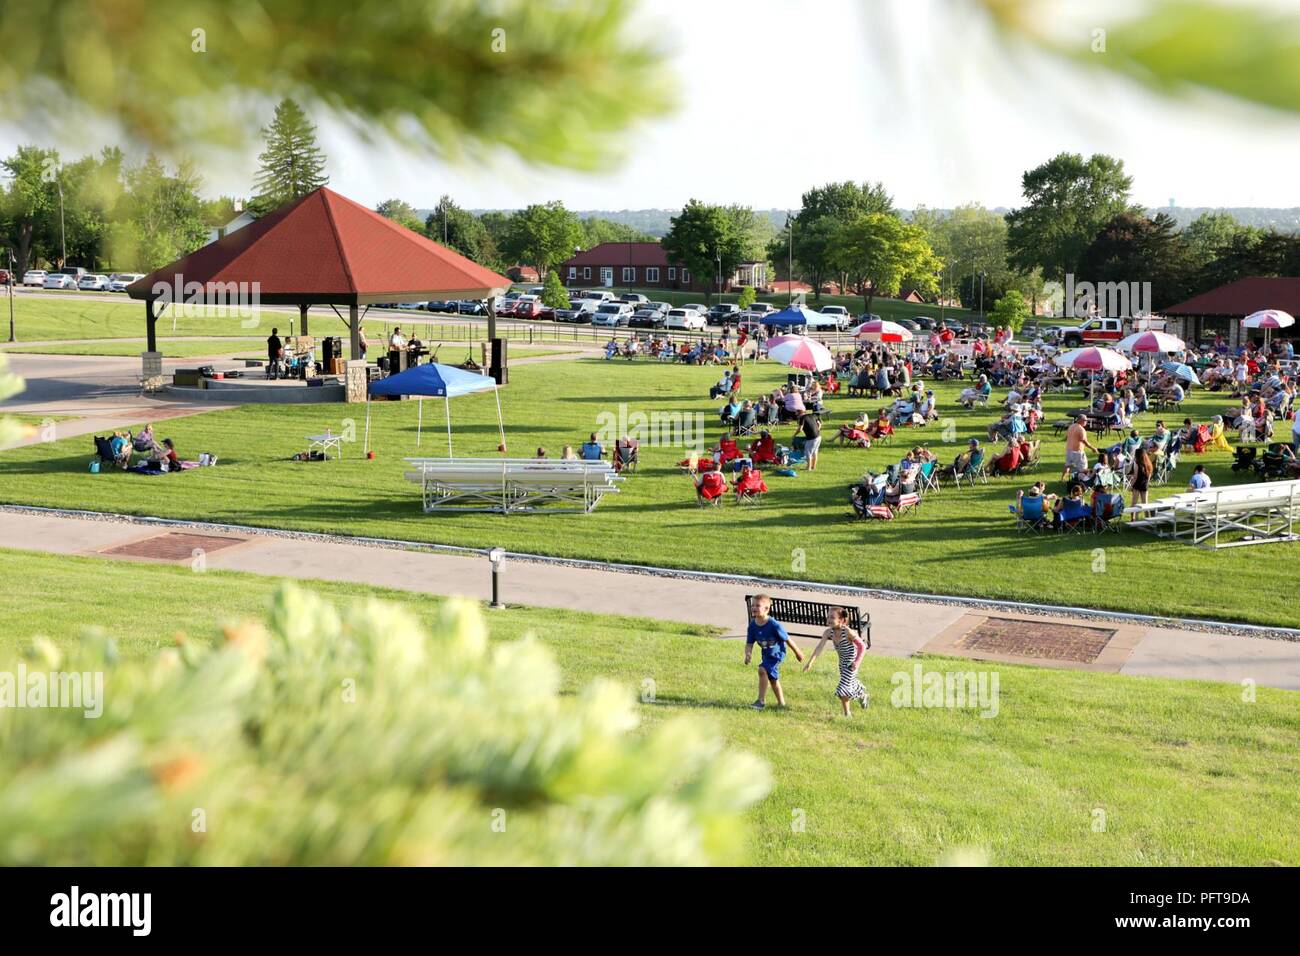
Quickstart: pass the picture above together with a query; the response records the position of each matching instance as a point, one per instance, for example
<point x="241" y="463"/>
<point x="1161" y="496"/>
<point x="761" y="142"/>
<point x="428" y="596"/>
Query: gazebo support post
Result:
<point x="150" y="326"/>
<point x="302" y="319"/>
<point x="354" y="328"/>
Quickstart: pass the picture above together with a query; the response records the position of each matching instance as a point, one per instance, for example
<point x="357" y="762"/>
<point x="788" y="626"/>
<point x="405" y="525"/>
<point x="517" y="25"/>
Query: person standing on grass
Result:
<point x="811" y="428"/>
<point x="770" y="636"/>
<point x="1076" y="440"/>
<point x="1143" y="468"/>
<point x="850" y="648"/>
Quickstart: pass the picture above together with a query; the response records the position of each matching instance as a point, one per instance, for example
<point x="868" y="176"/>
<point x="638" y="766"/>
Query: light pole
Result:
<point x="12" y="336"/>
<point x="498" y="558"/>
<point x="789" y="269"/>
<point x="982" y="273"/>
<point x="63" y="235"/>
<point x="717" y="254"/>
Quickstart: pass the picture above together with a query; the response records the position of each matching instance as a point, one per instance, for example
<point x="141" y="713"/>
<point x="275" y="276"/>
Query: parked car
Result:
<point x="841" y="315"/>
<point x="439" y="305"/>
<point x="412" y="306"/>
<point x="648" y="319"/>
<point x="910" y="324"/>
<point x="824" y="321"/>
<point x="612" y="314"/>
<point x="35" y="277"/>
<point x="597" y="295"/>
<point x="470" y="307"/>
<point x="698" y="307"/>
<point x="634" y="299"/>
<point x="723" y="313"/>
<point x="118" y="281"/>
<point x="924" y="322"/>
<point x="685" y="320"/>
<point x="579" y="311"/>
<point x="763" y="308"/>
<point x="57" y="280"/>
<point x="531" y="308"/>
<point x="93" y="282"/>
<point x="4" y="277"/>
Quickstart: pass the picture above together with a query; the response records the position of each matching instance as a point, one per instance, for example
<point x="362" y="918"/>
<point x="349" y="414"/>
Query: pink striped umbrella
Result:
<point x="1151" y="342"/>
<point x="1268" y="319"/>
<point x="799" y="352"/>
<point x="1093" y="359"/>
<point x="879" y="330"/>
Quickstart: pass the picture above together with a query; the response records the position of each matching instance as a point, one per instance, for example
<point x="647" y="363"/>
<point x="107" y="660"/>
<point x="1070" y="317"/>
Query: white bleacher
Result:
<point x="1228" y="517"/>
<point x="511" y="485"/>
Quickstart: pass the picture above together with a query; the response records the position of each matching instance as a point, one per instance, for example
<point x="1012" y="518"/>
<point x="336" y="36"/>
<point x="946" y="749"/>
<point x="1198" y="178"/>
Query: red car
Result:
<point x="4" y="276"/>
<point x="534" y="309"/>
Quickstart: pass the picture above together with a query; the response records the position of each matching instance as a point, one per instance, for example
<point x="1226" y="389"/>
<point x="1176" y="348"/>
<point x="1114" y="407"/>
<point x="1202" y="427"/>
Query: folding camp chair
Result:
<point x="975" y="471"/>
<point x="904" y="503"/>
<point x="929" y="477"/>
<point x="711" y="490"/>
<point x="1075" y="519"/>
<point x="1105" y="509"/>
<point x="1030" y="516"/>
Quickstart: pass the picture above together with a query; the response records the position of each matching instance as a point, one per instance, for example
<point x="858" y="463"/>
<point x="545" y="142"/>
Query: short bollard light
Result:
<point x="498" y="558"/>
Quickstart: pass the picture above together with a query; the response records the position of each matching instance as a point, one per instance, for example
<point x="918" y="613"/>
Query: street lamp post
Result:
<point x="12" y="336"/>
<point x="498" y="558"/>
<point x="63" y="235"/>
<point x="982" y="295"/>
<point x="717" y="254"/>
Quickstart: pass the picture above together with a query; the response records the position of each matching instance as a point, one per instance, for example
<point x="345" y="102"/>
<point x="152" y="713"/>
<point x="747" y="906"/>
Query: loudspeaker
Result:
<point x="497" y="367"/>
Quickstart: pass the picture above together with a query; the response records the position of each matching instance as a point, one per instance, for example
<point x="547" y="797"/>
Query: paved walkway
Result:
<point x="900" y="628"/>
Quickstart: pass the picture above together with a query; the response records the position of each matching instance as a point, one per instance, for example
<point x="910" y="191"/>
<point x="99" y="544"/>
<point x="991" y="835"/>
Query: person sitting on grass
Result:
<point x="763" y="451"/>
<point x="1200" y="481"/>
<point x="121" y="445"/>
<point x="722" y="386"/>
<point x="882" y="426"/>
<point x="979" y="391"/>
<point x="750" y="482"/>
<point x="850" y="647"/>
<point x="773" y="641"/>
<point x="591" y="449"/>
<point x="145" y="443"/>
<point x="729" y="411"/>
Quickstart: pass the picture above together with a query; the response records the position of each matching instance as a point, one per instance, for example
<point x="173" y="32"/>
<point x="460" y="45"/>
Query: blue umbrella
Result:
<point x="1179" y="370"/>
<point x="436" y="381"/>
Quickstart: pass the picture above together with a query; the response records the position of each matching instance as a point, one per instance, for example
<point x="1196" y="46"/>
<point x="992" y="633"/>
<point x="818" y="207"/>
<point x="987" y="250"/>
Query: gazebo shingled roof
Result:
<point x="322" y="249"/>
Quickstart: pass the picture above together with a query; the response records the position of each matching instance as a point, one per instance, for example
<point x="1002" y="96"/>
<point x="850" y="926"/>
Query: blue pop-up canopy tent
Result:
<point x="435" y="381"/>
<point x="791" y="317"/>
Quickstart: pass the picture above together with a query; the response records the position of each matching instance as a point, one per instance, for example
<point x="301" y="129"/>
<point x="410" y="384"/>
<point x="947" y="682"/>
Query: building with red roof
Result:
<point x="645" y="265"/>
<point x="1221" y="309"/>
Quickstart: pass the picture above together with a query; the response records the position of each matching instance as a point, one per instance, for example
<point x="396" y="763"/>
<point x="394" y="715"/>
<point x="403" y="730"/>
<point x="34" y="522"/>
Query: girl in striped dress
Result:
<point x="850" y="648"/>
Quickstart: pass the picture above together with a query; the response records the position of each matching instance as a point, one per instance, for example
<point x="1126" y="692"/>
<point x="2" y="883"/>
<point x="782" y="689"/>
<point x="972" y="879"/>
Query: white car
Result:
<point x="35" y="277"/>
<point x="823" y="321"/>
<point x="685" y="320"/>
<point x="118" y="281"/>
<point x="612" y="314"/>
<point x="59" y="281"/>
<point x="93" y="282"/>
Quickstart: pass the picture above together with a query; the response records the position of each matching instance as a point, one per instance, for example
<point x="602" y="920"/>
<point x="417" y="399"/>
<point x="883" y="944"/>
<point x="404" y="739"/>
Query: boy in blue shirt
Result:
<point x="770" y="636"/>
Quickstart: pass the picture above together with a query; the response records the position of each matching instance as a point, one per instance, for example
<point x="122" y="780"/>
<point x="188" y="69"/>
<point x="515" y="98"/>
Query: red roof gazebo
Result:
<point x="322" y="249"/>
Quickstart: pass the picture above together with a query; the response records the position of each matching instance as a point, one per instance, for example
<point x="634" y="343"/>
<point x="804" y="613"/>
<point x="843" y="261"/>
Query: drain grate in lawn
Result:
<point x="173" y="546"/>
<point x="1044" y="640"/>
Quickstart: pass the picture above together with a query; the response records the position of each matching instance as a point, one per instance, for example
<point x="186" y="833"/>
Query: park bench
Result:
<point x="792" y="611"/>
<point x="511" y="485"/>
<point x="1256" y="513"/>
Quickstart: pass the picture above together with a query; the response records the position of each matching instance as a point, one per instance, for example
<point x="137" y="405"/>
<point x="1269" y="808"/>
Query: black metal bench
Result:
<point x="813" y="614"/>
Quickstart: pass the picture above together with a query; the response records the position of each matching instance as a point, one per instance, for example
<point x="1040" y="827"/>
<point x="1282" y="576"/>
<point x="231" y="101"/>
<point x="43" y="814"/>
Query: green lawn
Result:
<point x="1184" y="772"/>
<point x="961" y="542"/>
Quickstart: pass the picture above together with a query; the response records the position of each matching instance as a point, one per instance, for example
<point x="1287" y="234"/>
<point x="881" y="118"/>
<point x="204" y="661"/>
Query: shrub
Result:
<point x="321" y="737"/>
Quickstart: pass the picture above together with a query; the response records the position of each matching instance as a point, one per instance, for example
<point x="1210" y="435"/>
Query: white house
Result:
<point x="239" y="222"/>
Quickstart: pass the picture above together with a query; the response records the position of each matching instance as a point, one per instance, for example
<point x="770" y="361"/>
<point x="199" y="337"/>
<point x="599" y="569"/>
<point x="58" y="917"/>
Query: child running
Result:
<point x="770" y="636"/>
<point x="850" y="648"/>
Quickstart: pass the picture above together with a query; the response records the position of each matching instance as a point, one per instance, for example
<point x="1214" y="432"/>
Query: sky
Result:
<point x="777" y="96"/>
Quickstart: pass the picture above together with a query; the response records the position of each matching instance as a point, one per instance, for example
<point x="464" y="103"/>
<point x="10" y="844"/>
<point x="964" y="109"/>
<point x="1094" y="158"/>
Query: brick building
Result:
<point x="645" y="265"/>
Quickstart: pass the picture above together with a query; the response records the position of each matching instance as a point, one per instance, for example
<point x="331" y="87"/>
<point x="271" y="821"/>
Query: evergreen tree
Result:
<point x="292" y="165"/>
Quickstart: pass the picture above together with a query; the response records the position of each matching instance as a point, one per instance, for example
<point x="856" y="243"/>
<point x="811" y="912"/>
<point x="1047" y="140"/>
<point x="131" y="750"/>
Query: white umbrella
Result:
<point x="1151" y="342"/>
<point x="1268" y="319"/>
<point x="880" y="330"/>
<point x="1093" y="359"/>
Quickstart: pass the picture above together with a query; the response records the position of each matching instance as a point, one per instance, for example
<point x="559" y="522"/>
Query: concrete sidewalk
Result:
<point x="900" y="628"/>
